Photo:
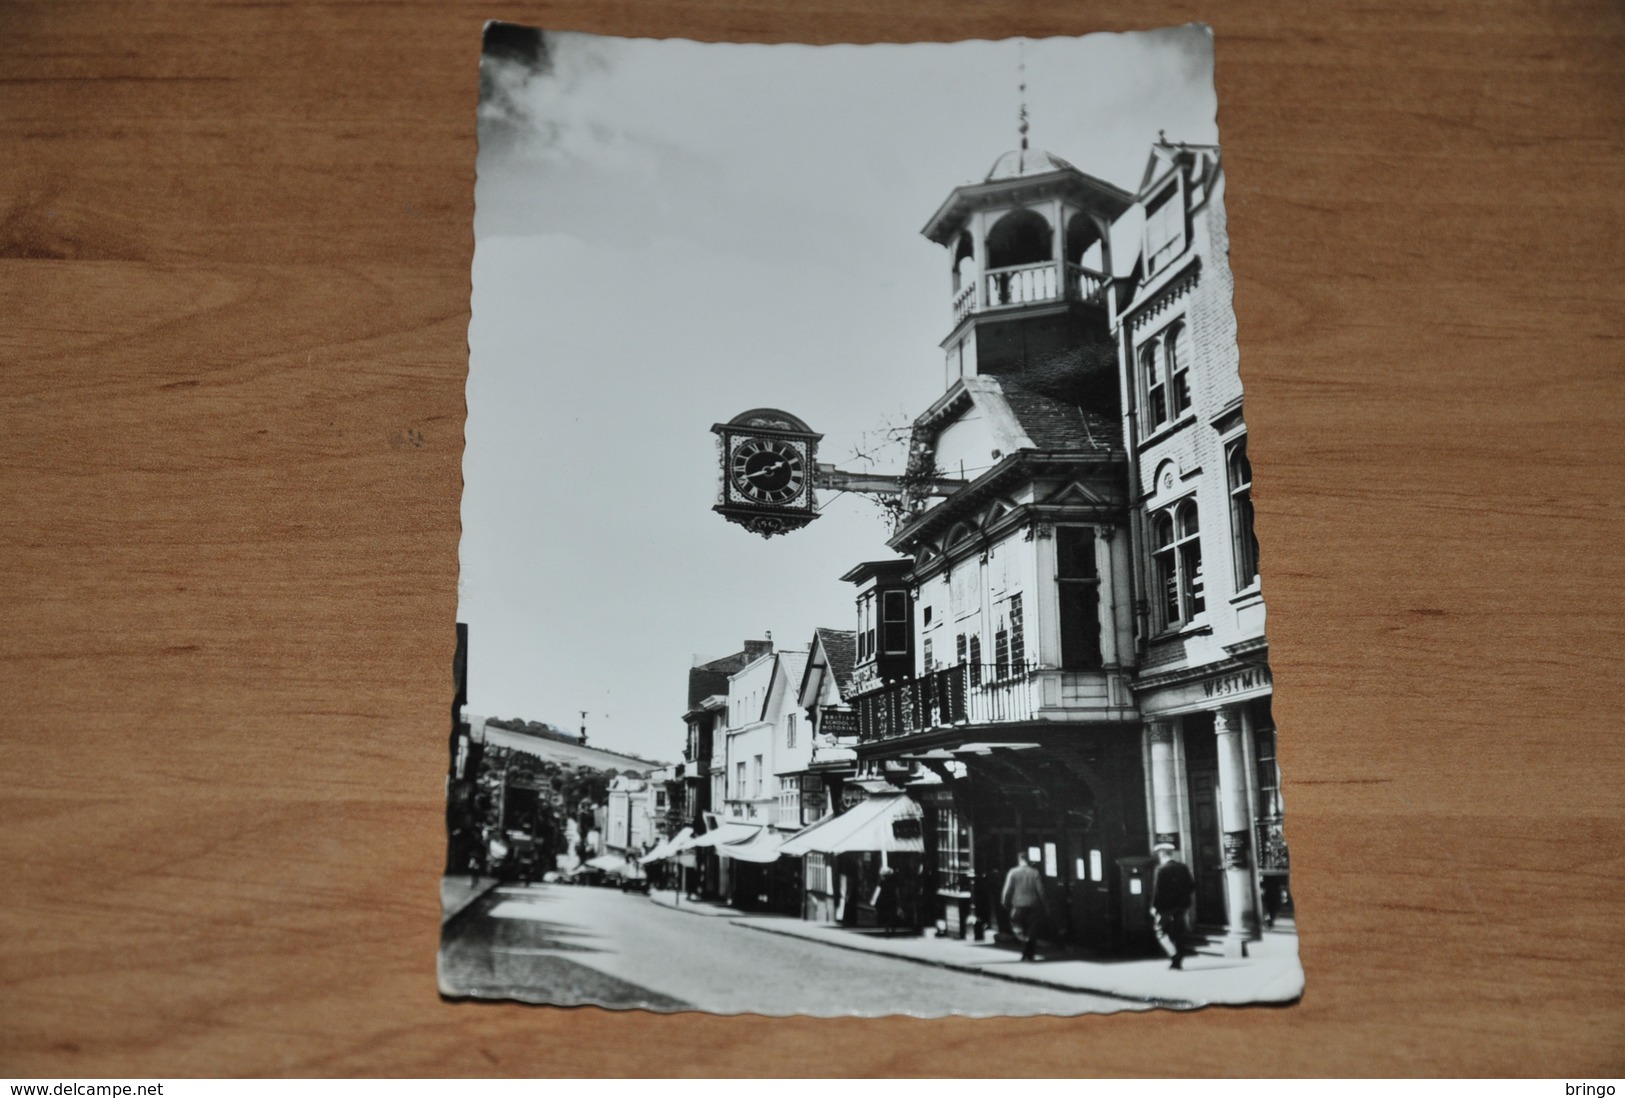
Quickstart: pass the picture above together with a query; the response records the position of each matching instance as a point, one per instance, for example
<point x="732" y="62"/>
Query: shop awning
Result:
<point x="869" y="825"/>
<point x="762" y="847"/>
<point x="726" y="833"/>
<point x="667" y="847"/>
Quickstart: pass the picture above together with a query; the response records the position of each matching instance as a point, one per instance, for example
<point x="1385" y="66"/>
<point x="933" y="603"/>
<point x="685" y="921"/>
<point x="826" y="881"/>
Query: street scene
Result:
<point x="768" y="703"/>
<point x="554" y="943"/>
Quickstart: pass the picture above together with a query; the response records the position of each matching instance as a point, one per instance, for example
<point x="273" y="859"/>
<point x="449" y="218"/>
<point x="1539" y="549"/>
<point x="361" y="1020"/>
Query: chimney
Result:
<point x="757" y="649"/>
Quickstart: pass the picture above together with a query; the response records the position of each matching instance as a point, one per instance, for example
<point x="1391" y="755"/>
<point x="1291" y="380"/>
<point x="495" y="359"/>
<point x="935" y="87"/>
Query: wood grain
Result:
<point x="234" y="271"/>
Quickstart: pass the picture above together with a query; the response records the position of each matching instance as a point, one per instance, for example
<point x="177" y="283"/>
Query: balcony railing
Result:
<point x="1032" y="283"/>
<point x="966" y="694"/>
<point x="964" y="301"/>
<point x="1021" y="285"/>
<point x="1085" y="285"/>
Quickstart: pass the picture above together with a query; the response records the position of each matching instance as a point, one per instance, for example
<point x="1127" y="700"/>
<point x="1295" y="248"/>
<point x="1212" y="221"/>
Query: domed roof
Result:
<point x="1020" y="162"/>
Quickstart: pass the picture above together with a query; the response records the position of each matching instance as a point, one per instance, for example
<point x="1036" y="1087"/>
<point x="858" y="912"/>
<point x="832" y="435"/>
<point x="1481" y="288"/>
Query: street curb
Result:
<point x="446" y="920"/>
<point x="690" y="910"/>
<point x="1150" y="1000"/>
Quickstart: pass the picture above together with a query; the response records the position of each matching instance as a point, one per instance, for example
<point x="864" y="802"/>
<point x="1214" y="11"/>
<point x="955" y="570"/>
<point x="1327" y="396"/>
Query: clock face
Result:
<point x="768" y="470"/>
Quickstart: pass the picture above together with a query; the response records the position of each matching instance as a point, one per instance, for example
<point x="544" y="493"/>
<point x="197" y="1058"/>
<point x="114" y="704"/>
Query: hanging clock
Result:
<point x="768" y="458"/>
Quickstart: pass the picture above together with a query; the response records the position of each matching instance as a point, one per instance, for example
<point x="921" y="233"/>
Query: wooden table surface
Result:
<point x="234" y="275"/>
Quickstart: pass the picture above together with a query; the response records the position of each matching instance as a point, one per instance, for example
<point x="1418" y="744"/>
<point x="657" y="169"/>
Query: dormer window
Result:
<point x="1164" y="228"/>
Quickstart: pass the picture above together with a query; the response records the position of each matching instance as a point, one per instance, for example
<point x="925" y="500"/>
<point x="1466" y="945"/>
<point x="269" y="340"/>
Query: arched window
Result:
<point x="1082" y="238"/>
<point x="1018" y="238"/>
<point x="1244" y="542"/>
<point x="1177" y="373"/>
<point x="1156" y="393"/>
<point x="1086" y="253"/>
<point x="1176" y="557"/>
<point x="964" y="262"/>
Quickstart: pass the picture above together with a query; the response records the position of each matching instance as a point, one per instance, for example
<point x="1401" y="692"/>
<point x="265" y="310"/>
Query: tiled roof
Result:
<point x="841" y="648"/>
<point x="1058" y="425"/>
<point x="703" y="682"/>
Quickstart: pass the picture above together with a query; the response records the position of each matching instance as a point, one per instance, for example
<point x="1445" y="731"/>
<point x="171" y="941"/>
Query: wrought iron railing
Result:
<point x="968" y="693"/>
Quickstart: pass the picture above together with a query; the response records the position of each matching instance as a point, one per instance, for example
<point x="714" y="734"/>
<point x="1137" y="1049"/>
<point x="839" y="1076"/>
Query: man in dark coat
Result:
<point x="1171" y="891"/>
<point x="1024" y="898"/>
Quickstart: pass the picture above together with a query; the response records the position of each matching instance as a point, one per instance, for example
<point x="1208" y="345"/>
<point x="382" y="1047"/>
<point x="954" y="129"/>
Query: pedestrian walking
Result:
<point x="885" y="900"/>
<point x="1172" y="887"/>
<point x="1024" y="899"/>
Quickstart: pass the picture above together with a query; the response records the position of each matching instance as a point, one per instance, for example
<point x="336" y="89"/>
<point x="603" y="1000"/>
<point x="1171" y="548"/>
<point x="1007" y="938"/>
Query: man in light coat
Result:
<point x="1023" y="898"/>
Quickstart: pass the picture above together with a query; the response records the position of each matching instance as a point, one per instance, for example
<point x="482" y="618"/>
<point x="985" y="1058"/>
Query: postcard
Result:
<point x="860" y="607"/>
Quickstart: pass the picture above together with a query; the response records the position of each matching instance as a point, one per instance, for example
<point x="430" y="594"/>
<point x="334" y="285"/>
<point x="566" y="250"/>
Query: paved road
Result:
<point x="571" y="946"/>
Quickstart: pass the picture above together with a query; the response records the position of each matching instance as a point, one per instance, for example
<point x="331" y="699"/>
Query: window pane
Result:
<point x="1080" y="626"/>
<point x="1168" y="584"/>
<point x="894" y="637"/>
<point x="1191" y="566"/>
<point x="1075" y="553"/>
<point x="1186" y="521"/>
<point x="1162" y="531"/>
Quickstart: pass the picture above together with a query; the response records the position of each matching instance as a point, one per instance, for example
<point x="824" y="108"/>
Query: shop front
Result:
<point x="1071" y="800"/>
<point x="865" y="867"/>
<point x="1215" y="790"/>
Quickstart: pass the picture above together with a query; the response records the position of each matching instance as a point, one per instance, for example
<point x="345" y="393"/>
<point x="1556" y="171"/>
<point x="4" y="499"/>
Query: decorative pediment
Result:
<point x="996" y="511"/>
<point x="1077" y="493"/>
<point x="960" y="533"/>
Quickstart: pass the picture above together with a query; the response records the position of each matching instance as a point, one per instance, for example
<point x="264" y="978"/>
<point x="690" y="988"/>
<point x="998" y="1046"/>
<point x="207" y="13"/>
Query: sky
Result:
<point x="669" y="233"/>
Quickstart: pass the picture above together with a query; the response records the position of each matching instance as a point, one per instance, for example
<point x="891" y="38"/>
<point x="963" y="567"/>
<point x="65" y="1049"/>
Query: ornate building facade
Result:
<point x="1067" y="657"/>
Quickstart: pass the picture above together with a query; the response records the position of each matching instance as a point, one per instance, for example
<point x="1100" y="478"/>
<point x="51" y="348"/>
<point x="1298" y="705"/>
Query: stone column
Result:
<point x="1164" y="783"/>
<point x="1235" y="820"/>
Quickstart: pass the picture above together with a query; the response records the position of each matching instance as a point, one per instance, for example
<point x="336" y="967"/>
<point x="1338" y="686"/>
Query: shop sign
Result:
<point x="838" y="722"/>
<point x="1241" y="682"/>
<point x="1235" y="850"/>
<point x="907" y="829"/>
<point x="1206" y="694"/>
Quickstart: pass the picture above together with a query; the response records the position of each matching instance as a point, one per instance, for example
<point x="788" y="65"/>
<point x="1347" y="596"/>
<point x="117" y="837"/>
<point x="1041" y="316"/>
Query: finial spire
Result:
<point x="1021" y="68"/>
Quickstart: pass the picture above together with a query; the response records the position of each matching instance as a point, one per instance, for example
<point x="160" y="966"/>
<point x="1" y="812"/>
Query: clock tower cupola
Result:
<point x="1030" y="268"/>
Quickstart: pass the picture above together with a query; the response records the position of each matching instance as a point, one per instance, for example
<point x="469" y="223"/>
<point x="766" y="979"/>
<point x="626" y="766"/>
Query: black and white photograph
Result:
<point x="860" y="607"/>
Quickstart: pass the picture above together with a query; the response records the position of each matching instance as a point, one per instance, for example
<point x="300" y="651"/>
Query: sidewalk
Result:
<point x="458" y="892"/>
<point x="1269" y="974"/>
<point x="667" y="897"/>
